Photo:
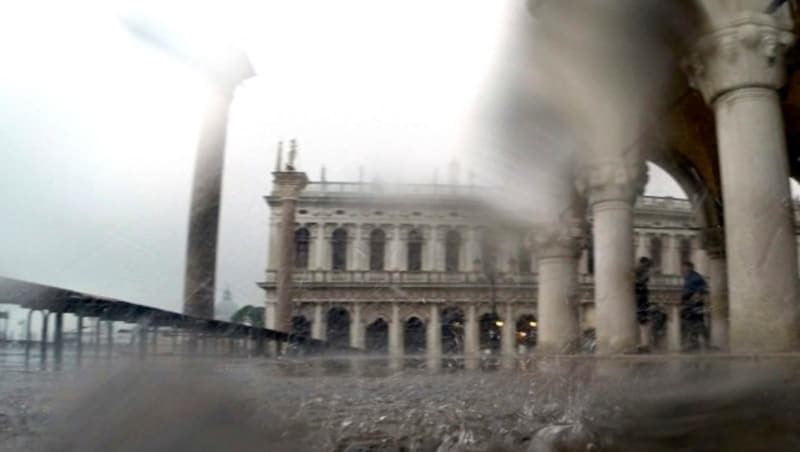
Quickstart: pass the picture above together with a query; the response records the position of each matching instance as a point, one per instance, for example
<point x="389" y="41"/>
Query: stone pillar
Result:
<point x="718" y="287"/>
<point x="508" y="337"/>
<point x="436" y="249"/>
<point x="357" y="331"/>
<point x="396" y="333"/>
<point x="558" y="247"/>
<point x="318" y="323"/>
<point x="672" y="254"/>
<point x="611" y="187"/>
<point x="642" y="245"/>
<point x="322" y="246"/>
<point x="287" y="186"/>
<point x="471" y="337"/>
<point x="398" y="250"/>
<point x="583" y="263"/>
<point x="433" y="339"/>
<point x="738" y="67"/>
<point x="699" y="257"/>
<point x="274" y="239"/>
<point x="674" y="328"/>
<point x="472" y="249"/>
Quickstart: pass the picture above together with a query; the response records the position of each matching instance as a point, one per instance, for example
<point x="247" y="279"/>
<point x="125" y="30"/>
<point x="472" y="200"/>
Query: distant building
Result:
<point x="226" y="307"/>
<point x="416" y="268"/>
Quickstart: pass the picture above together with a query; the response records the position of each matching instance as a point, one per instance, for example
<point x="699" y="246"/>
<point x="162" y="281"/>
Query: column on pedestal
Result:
<point x="674" y="327"/>
<point x="611" y="186"/>
<point x="738" y="67"/>
<point x="274" y="244"/>
<point x="558" y="247"/>
<point x="396" y="332"/>
<point x="288" y="185"/>
<point x="318" y="323"/>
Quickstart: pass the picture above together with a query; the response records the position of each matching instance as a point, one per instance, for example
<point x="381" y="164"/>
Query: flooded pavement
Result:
<point x="361" y="404"/>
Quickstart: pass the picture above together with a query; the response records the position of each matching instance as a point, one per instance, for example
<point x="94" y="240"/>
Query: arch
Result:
<point x="302" y="242"/>
<point x="414" y="250"/>
<point x="490" y="325"/>
<point x="338" y="327"/>
<point x="377" y="250"/>
<point x="414" y="336"/>
<point x="526" y="331"/>
<point x="339" y="249"/>
<point x="452" y="330"/>
<point x="301" y="327"/>
<point x="376" y="338"/>
<point x="452" y="248"/>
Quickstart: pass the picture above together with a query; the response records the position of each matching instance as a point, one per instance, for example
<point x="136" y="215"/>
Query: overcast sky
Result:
<point x="98" y="129"/>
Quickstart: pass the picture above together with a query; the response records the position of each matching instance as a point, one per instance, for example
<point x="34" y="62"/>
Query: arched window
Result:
<point x="452" y="246"/>
<point x="414" y="251"/>
<point x="657" y="253"/>
<point x="377" y="247"/>
<point x="685" y="249"/>
<point x="301" y="245"/>
<point x="339" y="248"/>
<point x="524" y="260"/>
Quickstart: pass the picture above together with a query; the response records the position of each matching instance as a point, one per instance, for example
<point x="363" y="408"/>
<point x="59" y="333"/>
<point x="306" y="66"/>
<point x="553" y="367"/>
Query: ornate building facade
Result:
<point x="436" y="270"/>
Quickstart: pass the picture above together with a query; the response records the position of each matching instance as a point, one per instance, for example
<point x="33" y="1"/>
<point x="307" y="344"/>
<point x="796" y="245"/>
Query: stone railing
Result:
<point x="408" y="278"/>
<point x="372" y="188"/>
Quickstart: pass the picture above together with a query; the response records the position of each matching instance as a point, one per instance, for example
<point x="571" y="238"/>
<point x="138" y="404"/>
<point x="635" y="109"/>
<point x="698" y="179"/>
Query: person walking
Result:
<point x="643" y="306"/>
<point x="693" y="297"/>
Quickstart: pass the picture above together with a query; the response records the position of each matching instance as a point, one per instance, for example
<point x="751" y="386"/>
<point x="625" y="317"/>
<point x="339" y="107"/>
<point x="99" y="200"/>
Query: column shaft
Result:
<point x="759" y="226"/>
<point x="471" y="337"/>
<point x="718" y="301"/>
<point x="283" y="308"/>
<point x="508" y="344"/>
<point x="615" y="306"/>
<point x="433" y="339"/>
<point x="357" y="337"/>
<point x="318" y="323"/>
<point x="396" y="333"/>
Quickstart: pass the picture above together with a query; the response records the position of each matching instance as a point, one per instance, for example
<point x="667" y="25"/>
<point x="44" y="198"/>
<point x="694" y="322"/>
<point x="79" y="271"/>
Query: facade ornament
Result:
<point x="748" y="51"/>
<point x="292" y="155"/>
<point x="560" y="239"/>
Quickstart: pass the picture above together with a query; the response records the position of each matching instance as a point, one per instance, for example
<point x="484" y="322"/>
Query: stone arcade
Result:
<point x="428" y="255"/>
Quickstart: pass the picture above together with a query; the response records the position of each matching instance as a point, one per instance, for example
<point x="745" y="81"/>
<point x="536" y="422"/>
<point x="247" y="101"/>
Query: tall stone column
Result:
<point x="318" y="323"/>
<point x="738" y="67"/>
<point x="611" y="187"/>
<point x="433" y="339"/>
<point x="558" y="248"/>
<point x="718" y="287"/>
<point x="287" y="186"/>
<point x="201" y="251"/>
<point x="508" y="334"/>
<point x="471" y="337"/>
<point x="357" y="331"/>
<point x="396" y="333"/>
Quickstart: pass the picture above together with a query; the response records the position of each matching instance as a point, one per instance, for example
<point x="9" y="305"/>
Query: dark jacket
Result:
<point x="693" y="284"/>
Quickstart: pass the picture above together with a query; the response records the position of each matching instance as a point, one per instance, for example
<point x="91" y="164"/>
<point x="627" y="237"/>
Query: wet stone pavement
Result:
<point x="360" y="404"/>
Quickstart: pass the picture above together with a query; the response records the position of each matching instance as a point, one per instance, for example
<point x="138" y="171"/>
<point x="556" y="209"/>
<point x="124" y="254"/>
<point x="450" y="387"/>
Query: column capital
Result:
<point x="746" y="51"/>
<point x="559" y="239"/>
<point x="288" y="184"/>
<point x="619" y="179"/>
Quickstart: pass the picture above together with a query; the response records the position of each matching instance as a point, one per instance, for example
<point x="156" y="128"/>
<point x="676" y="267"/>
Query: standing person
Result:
<point x="643" y="307"/>
<point x="695" y="290"/>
